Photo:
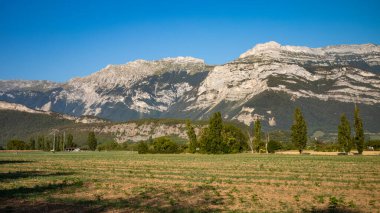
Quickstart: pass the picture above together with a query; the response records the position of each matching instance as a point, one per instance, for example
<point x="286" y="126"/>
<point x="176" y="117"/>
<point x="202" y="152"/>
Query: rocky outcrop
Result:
<point x="136" y="132"/>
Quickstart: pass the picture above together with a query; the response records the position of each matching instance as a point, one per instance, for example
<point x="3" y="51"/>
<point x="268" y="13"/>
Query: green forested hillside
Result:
<point x="21" y="125"/>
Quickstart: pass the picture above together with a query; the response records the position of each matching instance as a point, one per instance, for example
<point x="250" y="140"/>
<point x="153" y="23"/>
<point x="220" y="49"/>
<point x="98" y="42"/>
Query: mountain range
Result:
<point x="266" y="82"/>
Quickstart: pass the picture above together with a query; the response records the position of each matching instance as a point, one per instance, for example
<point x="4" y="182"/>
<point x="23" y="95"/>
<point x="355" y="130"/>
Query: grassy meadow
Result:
<point x="128" y="182"/>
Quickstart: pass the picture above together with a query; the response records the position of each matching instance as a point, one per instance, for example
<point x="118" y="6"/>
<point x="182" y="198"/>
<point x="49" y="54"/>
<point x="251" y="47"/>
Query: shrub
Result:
<point x="142" y="148"/>
<point x="108" y="146"/>
<point x="84" y="147"/>
<point x="16" y="145"/>
<point x="123" y="146"/>
<point x="273" y="146"/>
<point x="325" y="147"/>
<point x="164" y="145"/>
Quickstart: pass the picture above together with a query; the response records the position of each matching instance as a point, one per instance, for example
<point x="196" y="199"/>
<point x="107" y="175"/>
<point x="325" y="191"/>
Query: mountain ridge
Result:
<point x="334" y="49"/>
<point x="186" y="87"/>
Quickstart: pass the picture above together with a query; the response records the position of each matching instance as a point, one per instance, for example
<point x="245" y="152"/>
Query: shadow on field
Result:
<point x="332" y="210"/>
<point x="26" y="174"/>
<point x="14" y="161"/>
<point x="22" y="192"/>
<point x="150" y="199"/>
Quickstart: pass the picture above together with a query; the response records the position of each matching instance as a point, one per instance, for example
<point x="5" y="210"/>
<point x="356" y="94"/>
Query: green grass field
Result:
<point x="128" y="182"/>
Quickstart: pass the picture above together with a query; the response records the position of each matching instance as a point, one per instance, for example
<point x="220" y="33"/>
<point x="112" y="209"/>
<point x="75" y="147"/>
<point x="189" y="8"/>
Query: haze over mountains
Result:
<point x="266" y="82"/>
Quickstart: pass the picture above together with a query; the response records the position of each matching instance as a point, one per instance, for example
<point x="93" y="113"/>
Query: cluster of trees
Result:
<point x="159" y="145"/>
<point x="59" y="142"/>
<point x="41" y="142"/>
<point x="265" y="145"/>
<point x="217" y="137"/>
<point x="17" y="145"/>
<point x="345" y="139"/>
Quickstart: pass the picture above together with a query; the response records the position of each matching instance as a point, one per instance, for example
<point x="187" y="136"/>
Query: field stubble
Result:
<point x="125" y="181"/>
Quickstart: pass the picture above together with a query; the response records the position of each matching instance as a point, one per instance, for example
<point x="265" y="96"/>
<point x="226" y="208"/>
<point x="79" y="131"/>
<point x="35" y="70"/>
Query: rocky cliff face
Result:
<point x="266" y="82"/>
<point x="136" y="132"/>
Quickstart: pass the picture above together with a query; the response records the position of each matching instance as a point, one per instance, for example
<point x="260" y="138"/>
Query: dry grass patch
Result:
<point x="127" y="182"/>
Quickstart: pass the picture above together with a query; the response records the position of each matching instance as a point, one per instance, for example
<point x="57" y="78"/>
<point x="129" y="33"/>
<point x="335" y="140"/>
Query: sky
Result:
<point x="60" y="39"/>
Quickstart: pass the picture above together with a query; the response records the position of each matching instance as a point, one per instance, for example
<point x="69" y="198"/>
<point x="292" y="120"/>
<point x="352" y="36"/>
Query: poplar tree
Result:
<point x="211" y="138"/>
<point x="70" y="142"/>
<point x="344" y="134"/>
<point x="32" y="144"/>
<point x="299" y="130"/>
<point x="192" y="137"/>
<point x="359" y="132"/>
<point x="257" y="136"/>
<point x="215" y="131"/>
<point x="91" y="141"/>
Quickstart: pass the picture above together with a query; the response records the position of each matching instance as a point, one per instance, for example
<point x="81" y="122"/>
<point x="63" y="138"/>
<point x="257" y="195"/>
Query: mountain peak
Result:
<point x="268" y="45"/>
<point x="274" y="49"/>
<point x="181" y="59"/>
<point x="259" y="48"/>
<point x="177" y="60"/>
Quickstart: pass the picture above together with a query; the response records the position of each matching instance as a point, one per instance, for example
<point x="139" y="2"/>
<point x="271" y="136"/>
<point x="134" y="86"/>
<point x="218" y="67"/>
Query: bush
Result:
<point x="84" y="147"/>
<point x="183" y="148"/>
<point x="164" y="145"/>
<point x="109" y="145"/>
<point x="17" y="145"/>
<point x="130" y="145"/>
<point x="142" y="148"/>
<point x="273" y="146"/>
<point x="123" y="146"/>
<point x="288" y="146"/>
<point x="325" y="147"/>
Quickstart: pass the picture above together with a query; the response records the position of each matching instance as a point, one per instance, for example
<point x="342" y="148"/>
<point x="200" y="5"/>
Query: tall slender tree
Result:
<point x="40" y="142"/>
<point x="257" y="143"/>
<point x="359" y="132"/>
<point x="211" y="140"/>
<point x="32" y="143"/>
<point x="344" y="134"/>
<point x="215" y="131"/>
<point x="91" y="141"/>
<point x="192" y="137"/>
<point x="70" y="142"/>
<point x="299" y="130"/>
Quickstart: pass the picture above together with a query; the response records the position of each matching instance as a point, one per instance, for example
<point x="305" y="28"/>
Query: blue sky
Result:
<point x="61" y="39"/>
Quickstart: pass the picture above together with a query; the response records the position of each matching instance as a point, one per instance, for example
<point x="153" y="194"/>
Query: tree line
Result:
<point x="46" y="143"/>
<point x="221" y="138"/>
<point x="217" y="137"/>
<point x="62" y="142"/>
